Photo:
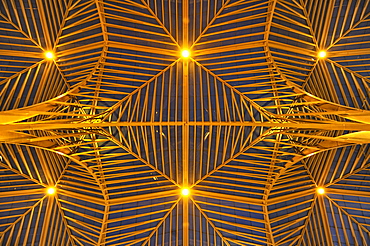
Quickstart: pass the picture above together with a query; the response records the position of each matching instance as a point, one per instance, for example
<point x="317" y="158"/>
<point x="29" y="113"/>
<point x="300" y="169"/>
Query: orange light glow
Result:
<point x="185" y="53"/>
<point x="322" y="54"/>
<point x="49" y="55"/>
<point x="321" y="191"/>
<point x="51" y="190"/>
<point x="185" y="192"/>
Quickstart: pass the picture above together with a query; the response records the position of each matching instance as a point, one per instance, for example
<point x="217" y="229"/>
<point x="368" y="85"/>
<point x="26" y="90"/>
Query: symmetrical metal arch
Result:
<point x="252" y="122"/>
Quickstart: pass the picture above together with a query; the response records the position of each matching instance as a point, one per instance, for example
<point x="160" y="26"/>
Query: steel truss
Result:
<point x="253" y="122"/>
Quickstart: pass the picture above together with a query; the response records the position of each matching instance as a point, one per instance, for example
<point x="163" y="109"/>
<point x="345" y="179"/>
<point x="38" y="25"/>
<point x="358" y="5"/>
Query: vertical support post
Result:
<point x="185" y="159"/>
<point x="185" y="115"/>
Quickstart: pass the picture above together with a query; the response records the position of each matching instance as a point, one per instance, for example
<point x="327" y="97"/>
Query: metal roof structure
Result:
<point x="105" y="122"/>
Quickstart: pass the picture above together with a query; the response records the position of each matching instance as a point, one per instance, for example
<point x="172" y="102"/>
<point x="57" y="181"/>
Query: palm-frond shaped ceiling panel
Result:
<point x="270" y="107"/>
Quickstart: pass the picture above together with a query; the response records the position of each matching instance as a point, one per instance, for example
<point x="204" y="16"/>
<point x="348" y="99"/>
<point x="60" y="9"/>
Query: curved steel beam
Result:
<point x="20" y="114"/>
<point x="350" y="113"/>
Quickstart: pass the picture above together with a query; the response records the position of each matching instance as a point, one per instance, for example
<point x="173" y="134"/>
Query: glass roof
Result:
<point x="270" y="136"/>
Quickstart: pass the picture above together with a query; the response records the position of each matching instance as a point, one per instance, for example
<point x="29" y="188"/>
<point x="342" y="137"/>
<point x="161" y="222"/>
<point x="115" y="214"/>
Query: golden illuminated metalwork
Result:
<point x="99" y="137"/>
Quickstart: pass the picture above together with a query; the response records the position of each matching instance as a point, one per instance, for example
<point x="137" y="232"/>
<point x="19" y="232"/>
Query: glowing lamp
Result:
<point x="51" y="190"/>
<point x="185" y="53"/>
<point x="322" y="54"/>
<point x="185" y="192"/>
<point x="49" y="55"/>
<point x="321" y="191"/>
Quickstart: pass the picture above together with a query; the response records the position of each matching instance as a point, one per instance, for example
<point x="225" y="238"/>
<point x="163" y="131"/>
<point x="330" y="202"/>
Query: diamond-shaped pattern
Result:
<point x="119" y="122"/>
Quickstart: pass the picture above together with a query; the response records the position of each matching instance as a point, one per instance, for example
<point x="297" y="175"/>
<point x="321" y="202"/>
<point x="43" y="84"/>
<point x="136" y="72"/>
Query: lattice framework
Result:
<point x="252" y="122"/>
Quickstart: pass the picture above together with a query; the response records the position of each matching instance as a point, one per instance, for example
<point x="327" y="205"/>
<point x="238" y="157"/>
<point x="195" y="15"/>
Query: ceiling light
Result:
<point x="185" y="192"/>
<point x="51" y="190"/>
<point x="185" y="53"/>
<point x="320" y="190"/>
<point x="322" y="54"/>
<point x="49" y="55"/>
